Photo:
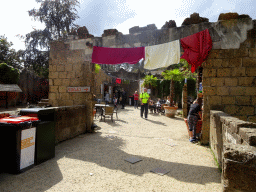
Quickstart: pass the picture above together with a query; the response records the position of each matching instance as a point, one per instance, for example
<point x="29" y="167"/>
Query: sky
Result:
<point x="98" y="15"/>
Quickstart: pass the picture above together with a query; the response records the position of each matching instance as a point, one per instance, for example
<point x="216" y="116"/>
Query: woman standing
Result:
<point x="136" y="98"/>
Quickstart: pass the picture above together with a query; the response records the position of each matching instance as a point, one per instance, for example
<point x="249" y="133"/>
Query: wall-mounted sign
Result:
<point x="78" y="89"/>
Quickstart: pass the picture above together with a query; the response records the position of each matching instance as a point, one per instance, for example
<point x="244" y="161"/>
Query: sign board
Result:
<point x="27" y="156"/>
<point x="78" y="89"/>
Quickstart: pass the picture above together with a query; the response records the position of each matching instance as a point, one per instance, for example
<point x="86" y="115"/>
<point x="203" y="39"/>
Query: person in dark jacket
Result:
<point x="193" y="116"/>
<point x="123" y="96"/>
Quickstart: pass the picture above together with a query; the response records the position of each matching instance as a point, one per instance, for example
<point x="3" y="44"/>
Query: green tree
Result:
<point x="150" y="82"/>
<point x="8" y="55"/>
<point x="8" y="75"/>
<point x="58" y="17"/>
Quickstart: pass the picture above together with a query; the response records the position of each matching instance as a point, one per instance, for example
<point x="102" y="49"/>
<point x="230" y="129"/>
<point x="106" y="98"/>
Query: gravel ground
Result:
<point x="95" y="162"/>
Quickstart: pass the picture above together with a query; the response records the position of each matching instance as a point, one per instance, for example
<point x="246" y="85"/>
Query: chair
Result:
<point x="115" y="111"/>
<point x="108" y="111"/>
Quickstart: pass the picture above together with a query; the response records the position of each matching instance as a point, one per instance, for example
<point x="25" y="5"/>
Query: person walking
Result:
<point x="136" y="98"/>
<point x="193" y="116"/>
<point x="144" y="97"/>
<point x="123" y="101"/>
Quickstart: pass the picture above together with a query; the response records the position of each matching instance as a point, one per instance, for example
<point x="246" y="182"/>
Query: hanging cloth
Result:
<point x="163" y="55"/>
<point x="118" y="81"/>
<point x="106" y="55"/>
<point x="196" y="48"/>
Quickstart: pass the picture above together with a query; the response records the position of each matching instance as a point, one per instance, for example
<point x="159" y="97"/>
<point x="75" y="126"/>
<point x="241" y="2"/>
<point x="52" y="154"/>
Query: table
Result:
<point x="100" y="106"/>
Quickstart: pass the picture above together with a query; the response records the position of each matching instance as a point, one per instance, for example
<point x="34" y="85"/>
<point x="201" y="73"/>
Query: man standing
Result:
<point x="123" y="98"/>
<point x="136" y="98"/>
<point x="193" y="118"/>
<point x="144" y="97"/>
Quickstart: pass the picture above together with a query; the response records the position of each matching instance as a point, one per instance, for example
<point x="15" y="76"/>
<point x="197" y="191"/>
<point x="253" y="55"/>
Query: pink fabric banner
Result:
<point x="196" y="48"/>
<point x="106" y="55"/>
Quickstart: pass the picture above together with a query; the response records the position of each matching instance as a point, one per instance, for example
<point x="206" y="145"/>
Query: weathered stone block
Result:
<point x="52" y="96"/>
<point x="225" y="63"/>
<point x="236" y="62"/>
<point x="66" y="82"/>
<point x="239" y="168"/>
<point x="237" y="90"/>
<point x="228" y="100"/>
<point x="250" y="91"/>
<point x="53" y="75"/>
<point x="209" y="91"/>
<point x="249" y="135"/>
<point x="238" y="72"/>
<point x="71" y="74"/>
<point x="62" y="89"/>
<point x="68" y="67"/>
<point x="249" y="62"/>
<point x="215" y="54"/>
<point x="250" y="71"/>
<point x="60" y="68"/>
<point x="217" y="82"/>
<point x="231" y="109"/>
<point x="222" y="90"/>
<point x="243" y="100"/>
<point x="245" y="110"/>
<point x="224" y="72"/>
<point x="62" y="75"/>
<point x="206" y="81"/>
<point x="252" y="119"/>
<point x="57" y="82"/>
<point x="214" y="100"/>
<point x="252" y="52"/>
<point x="209" y="72"/>
<point x="231" y="82"/>
<point x="52" y="68"/>
<point x="253" y="100"/>
<point x="242" y="52"/>
<point x="53" y="89"/>
<point x="245" y="81"/>
<point x="241" y="117"/>
<point x="50" y="82"/>
<point x="213" y="63"/>
<point x="64" y="96"/>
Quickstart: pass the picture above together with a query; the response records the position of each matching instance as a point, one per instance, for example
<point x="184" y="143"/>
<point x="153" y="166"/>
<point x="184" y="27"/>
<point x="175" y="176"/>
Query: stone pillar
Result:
<point x="185" y="101"/>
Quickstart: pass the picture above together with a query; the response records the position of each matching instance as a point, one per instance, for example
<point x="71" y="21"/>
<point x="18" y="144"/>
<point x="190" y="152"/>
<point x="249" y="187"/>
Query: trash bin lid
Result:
<point x="17" y="120"/>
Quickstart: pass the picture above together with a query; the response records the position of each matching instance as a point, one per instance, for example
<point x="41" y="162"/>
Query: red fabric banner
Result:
<point x="196" y="48"/>
<point x="106" y="55"/>
<point x="118" y="81"/>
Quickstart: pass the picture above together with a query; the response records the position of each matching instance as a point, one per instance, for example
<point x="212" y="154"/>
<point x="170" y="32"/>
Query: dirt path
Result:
<point x="95" y="162"/>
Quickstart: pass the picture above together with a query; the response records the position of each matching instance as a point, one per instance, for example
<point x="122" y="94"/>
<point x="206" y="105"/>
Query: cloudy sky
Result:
<point x="98" y="15"/>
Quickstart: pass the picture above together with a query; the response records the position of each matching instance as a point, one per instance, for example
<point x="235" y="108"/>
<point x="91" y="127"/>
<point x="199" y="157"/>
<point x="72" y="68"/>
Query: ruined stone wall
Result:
<point x="70" y="122"/>
<point x="233" y="142"/>
<point x="100" y="78"/>
<point x="69" y="67"/>
<point x="229" y="78"/>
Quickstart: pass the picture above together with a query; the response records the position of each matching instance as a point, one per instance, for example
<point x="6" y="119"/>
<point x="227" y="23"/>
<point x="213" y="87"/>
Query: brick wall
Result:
<point x="233" y="142"/>
<point x="229" y="79"/>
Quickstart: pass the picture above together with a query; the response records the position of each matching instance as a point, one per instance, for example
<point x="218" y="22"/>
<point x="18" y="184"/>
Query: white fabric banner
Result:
<point x="28" y="137"/>
<point x="163" y="55"/>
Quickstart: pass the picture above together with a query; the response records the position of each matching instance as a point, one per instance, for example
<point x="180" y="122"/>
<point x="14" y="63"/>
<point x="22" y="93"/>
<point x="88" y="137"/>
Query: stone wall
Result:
<point x="229" y="78"/>
<point x="233" y="142"/>
<point x="71" y="121"/>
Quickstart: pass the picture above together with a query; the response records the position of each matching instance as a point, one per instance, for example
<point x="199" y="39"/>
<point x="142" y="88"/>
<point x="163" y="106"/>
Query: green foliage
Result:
<point x="163" y="88"/>
<point x="8" y="75"/>
<point x="58" y="17"/>
<point x="175" y="75"/>
<point x="97" y="68"/>
<point x="150" y="80"/>
<point x="8" y="55"/>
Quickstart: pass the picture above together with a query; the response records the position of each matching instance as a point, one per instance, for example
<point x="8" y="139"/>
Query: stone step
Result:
<point x="44" y="100"/>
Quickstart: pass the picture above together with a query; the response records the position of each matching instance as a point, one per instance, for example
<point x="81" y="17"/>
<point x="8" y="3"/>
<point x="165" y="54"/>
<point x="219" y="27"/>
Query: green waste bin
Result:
<point x="45" y="133"/>
<point x="17" y="143"/>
